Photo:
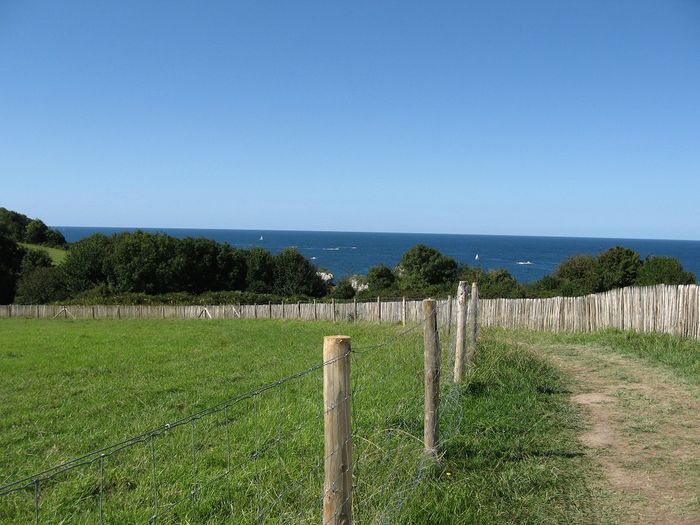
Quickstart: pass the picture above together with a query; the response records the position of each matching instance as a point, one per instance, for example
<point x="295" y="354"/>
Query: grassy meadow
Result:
<point x="58" y="255"/>
<point x="510" y="451"/>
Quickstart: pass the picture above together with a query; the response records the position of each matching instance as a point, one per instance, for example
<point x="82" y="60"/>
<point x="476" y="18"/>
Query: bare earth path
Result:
<point x="644" y="432"/>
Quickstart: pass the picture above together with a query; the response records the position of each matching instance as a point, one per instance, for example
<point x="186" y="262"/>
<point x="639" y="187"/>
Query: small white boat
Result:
<point x="477" y="257"/>
<point x="523" y="262"/>
<point x="261" y="238"/>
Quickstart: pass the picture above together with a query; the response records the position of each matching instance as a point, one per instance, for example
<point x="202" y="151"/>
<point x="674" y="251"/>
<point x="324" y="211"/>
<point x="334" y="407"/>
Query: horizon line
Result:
<point x="383" y="232"/>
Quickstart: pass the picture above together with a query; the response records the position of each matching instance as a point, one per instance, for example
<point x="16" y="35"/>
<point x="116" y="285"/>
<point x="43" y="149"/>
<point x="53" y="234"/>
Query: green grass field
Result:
<point x="510" y="452"/>
<point x="57" y="254"/>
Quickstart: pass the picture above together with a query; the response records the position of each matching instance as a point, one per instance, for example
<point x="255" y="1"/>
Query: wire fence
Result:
<point x="259" y="456"/>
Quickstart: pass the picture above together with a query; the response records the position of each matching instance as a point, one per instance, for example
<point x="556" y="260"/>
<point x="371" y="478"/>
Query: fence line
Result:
<point x="672" y="309"/>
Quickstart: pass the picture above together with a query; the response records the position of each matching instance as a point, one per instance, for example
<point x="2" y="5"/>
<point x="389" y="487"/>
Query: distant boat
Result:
<point x="261" y="238"/>
<point x="523" y="262"/>
<point x="477" y="257"/>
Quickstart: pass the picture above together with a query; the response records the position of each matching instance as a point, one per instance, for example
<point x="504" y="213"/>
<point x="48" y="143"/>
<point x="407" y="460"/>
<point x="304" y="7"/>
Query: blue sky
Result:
<point x="534" y="118"/>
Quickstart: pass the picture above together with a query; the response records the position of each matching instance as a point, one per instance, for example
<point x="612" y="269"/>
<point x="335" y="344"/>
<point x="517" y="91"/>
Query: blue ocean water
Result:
<point x="347" y="253"/>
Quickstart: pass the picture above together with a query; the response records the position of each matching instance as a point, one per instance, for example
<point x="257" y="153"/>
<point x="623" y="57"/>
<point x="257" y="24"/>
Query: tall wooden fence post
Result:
<point x="403" y="312"/>
<point x="449" y="315"/>
<point x="337" y="486"/>
<point x="431" y="359"/>
<point x="379" y="309"/>
<point x="461" y="336"/>
<point x="473" y="321"/>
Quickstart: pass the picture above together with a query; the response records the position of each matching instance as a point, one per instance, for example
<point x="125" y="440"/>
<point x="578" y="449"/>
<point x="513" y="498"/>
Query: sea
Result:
<point x="348" y="253"/>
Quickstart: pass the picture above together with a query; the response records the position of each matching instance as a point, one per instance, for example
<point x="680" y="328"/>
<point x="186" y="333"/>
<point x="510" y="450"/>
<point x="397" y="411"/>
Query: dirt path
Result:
<point x="644" y="431"/>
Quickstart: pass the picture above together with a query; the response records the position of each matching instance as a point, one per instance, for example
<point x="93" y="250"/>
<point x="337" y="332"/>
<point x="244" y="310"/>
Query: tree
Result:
<point x="663" y="270"/>
<point x="11" y="255"/>
<point x="295" y="275"/>
<point x="344" y="290"/>
<point x="260" y="269"/>
<point x="84" y="267"/>
<point x="142" y="262"/>
<point x="35" y="259"/>
<point x="578" y="275"/>
<point x="422" y="265"/>
<point x="618" y="267"/>
<point x="499" y="283"/>
<point x="35" y="232"/>
<point x="205" y="265"/>
<point x="42" y="285"/>
<point x="13" y="224"/>
<point x="380" y="278"/>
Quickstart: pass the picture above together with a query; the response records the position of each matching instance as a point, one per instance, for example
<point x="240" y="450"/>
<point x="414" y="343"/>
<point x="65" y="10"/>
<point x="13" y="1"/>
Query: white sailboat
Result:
<point x="261" y="238"/>
<point x="477" y="257"/>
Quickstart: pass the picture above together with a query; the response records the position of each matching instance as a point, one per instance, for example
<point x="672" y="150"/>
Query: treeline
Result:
<point x="20" y="228"/>
<point x="146" y="268"/>
<point x="424" y="271"/>
<point x="141" y="264"/>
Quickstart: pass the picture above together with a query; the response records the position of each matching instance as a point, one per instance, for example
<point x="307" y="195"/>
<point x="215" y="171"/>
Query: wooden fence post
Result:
<point x="379" y="309"/>
<point x="354" y="308"/>
<point x="403" y="312"/>
<point x="449" y="315"/>
<point x="298" y="309"/>
<point x="431" y="360"/>
<point x="337" y="486"/>
<point x="282" y="308"/>
<point x="333" y="308"/>
<point x="315" y="312"/>
<point x="461" y="339"/>
<point x="473" y="321"/>
<point x="269" y="308"/>
<point x="255" y="310"/>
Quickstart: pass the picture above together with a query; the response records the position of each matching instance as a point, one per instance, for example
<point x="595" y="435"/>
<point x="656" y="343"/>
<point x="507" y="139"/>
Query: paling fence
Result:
<point x="663" y="308"/>
<point x="268" y="455"/>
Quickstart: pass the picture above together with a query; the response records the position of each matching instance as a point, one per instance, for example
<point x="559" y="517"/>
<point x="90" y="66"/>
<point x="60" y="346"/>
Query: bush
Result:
<point x="343" y="290"/>
<point x="84" y="267"/>
<point x="578" y="275"/>
<point x="295" y="275"/>
<point x="380" y="278"/>
<point x="260" y="270"/>
<point x="663" y="270"/>
<point x="142" y="262"/>
<point x="424" y="266"/>
<point x="42" y="285"/>
<point x="35" y="259"/>
<point x="617" y="267"/>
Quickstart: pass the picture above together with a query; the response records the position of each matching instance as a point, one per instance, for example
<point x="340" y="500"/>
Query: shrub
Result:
<point x="663" y="270"/>
<point x="35" y="259"/>
<point x="343" y="290"/>
<point x="295" y="275"/>
<point x="42" y="285"/>
<point x="618" y="267"/>
<point x="84" y="266"/>
<point x="422" y="265"/>
<point x="380" y="278"/>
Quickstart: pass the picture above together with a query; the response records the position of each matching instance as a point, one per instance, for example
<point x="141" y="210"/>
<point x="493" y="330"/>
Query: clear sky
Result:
<point x="529" y="117"/>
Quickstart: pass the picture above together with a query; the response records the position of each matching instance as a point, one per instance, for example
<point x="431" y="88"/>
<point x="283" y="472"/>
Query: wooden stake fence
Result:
<point x="663" y="308"/>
